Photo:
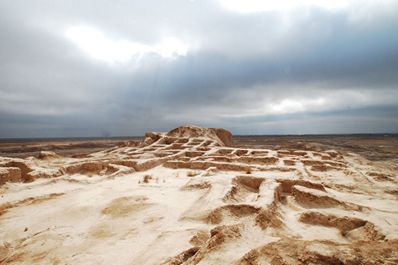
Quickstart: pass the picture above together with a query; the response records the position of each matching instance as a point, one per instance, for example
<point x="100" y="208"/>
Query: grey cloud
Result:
<point x="242" y="66"/>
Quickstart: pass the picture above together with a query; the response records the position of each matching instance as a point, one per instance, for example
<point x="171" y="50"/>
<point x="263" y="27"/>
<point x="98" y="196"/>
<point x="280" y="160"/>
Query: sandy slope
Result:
<point x="185" y="197"/>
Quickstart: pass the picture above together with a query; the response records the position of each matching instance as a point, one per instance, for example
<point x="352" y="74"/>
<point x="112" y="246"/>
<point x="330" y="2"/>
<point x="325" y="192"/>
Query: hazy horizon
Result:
<point x="122" y="137"/>
<point x="117" y="68"/>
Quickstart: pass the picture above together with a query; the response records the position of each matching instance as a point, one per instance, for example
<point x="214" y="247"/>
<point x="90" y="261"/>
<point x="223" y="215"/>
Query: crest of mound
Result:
<point x="222" y="136"/>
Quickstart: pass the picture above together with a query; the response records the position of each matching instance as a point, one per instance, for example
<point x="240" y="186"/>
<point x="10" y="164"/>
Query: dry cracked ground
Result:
<point x="188" y="197"/>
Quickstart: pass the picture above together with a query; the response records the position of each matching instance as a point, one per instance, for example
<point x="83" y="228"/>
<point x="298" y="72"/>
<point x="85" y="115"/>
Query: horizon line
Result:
<point x="234" y="135"/>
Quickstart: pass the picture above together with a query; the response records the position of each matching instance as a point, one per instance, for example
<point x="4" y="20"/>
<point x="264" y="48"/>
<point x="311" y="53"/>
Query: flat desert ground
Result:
<point x="200" y="196"/>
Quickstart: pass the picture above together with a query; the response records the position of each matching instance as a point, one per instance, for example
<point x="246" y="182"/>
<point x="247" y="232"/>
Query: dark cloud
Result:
<point x="309" y="70"/>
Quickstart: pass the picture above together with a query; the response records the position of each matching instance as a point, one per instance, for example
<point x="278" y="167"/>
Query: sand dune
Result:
<point x="189" y="197"/>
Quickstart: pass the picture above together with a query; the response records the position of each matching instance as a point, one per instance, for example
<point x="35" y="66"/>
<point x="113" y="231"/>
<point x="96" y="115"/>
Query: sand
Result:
<point x="188" y="197"/>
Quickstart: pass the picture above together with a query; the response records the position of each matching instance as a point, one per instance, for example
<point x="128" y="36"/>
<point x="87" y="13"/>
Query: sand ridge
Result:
<point x="189" y="197"/>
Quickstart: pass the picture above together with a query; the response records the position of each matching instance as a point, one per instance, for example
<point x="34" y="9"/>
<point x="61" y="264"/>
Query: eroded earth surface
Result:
<point x="188" y="197"/>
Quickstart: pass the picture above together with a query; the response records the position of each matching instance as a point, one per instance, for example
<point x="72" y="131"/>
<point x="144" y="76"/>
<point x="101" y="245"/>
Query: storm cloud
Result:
<point x="92" y="68"/>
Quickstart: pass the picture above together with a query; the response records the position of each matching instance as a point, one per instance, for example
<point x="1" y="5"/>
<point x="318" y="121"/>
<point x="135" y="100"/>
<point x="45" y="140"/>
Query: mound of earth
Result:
<point x="189" y="197"/>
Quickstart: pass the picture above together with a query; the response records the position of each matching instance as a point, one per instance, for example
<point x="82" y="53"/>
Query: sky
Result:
<point x="73" y="68"/>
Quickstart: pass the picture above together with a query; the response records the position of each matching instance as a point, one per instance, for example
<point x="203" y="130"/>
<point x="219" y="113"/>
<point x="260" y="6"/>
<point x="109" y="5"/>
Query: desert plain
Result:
<point x="198" y="195"/>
